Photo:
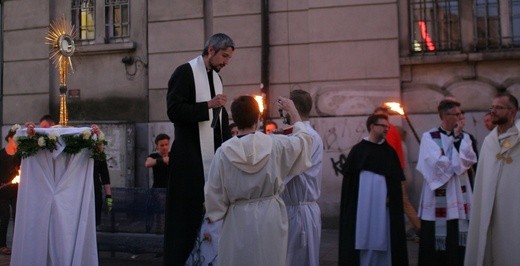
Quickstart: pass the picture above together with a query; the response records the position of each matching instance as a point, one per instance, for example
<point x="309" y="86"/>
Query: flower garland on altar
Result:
<point x="28" y="146"/>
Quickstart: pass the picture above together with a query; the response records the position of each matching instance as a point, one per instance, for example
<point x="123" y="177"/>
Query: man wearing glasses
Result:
<point x="494" y="233"/>
<point x="445" y="155"/>
<point x="372" y="221"/>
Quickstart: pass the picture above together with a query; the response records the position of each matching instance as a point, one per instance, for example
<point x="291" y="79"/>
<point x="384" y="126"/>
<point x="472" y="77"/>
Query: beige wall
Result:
<point x="26" y="68"/>
<point x="30" y="79"/>
<point x="348" y="62"/>
<point x="350" y="55"/>
<point x="470" y="76"/>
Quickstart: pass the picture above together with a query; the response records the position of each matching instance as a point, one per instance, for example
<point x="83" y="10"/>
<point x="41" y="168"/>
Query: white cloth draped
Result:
<point x="55" y="220"/>
<point x="203" y="94"/>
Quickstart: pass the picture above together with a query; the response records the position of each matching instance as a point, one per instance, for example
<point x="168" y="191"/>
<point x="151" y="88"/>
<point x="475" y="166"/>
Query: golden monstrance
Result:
<point x="61" y="39"/>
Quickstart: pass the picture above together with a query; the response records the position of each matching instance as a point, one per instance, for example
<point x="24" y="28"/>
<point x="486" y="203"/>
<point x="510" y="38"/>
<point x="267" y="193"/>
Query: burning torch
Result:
<point x="15" y="180"/>
<point x="396" y="107"/>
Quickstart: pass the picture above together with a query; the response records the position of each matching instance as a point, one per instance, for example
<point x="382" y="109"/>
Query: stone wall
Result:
<point x="344" y="53"/>
<point x="350" y="55"/>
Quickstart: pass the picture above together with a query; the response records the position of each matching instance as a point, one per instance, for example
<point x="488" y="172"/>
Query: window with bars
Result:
<point x="435" y="26"/>
<point x="117" y="20"/>
<point x="497" y="24"/>
<point x="83" y="18"/>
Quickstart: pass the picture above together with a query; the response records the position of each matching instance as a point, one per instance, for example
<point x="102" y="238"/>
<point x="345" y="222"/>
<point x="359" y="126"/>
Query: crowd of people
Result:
<point x="242" y="194"/>
<point x="373" y="208"/>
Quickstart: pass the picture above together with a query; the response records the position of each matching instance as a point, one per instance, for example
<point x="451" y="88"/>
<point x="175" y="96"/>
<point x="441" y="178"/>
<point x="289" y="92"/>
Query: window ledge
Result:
<point x="460" y="57"/>
<point x="105" y="48"/>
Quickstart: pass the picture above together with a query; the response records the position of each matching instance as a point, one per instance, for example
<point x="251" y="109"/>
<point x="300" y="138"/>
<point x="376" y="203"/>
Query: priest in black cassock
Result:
<point x="196" y="107"/>
<point x="372" y="228"/>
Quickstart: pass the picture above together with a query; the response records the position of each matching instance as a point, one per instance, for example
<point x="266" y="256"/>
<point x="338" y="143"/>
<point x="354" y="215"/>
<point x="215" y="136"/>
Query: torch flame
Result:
<point x="260" y="101"/>
<point x="396" y="107"/>
<point x="16" y="179"/>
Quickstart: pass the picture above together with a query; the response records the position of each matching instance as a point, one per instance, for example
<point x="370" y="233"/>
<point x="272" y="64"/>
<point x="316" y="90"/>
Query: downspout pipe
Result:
<point x="208" y="19"/>
<point x="1" y="63"/>
<point x="265" y="58"/>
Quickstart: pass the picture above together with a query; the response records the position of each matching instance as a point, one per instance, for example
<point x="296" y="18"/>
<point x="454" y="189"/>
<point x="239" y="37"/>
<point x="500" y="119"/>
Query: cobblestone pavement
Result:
<point x="328" y="253"/>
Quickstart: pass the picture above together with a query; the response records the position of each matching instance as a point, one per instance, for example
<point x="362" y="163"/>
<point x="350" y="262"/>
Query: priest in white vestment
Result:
<point x="494" y="232"/>
<point x="445" y="155"/>
<point x="244" y="184"/>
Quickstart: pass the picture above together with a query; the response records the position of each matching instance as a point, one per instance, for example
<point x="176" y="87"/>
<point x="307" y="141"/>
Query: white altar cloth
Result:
<point x="55" y="219"/>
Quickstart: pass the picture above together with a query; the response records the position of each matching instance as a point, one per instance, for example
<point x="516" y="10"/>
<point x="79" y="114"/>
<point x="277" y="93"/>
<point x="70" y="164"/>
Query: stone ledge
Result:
<point x="94" y="49"/>
<point x="459" y="57"/>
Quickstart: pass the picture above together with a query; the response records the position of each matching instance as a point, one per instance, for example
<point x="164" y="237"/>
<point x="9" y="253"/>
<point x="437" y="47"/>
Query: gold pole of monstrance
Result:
<point x="61" y="39"/>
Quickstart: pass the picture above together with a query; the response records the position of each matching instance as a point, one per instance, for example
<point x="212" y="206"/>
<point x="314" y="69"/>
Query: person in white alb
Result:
<point x="301" y="193"/>
<point x="244" y="185"/>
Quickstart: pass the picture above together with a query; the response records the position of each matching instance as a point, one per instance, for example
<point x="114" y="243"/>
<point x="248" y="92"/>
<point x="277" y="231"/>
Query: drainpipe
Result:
<point x="265" y="58"/>
<point x="1" y="64"/>
<point x="208" y="19"/>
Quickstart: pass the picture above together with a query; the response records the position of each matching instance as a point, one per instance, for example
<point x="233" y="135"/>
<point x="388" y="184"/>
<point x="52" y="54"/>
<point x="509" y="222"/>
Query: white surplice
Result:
<point x="55" y="219"/>
<point x="445" y="169"/>
<point x="300" y="195"/>
<point x="494" y="232"/>
<point x="245" y="180"/>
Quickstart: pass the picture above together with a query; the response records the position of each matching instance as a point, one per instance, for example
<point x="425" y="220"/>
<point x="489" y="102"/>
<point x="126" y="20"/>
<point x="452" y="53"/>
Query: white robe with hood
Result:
<point x="494" y="232"/>
<point x="245" y="180"/>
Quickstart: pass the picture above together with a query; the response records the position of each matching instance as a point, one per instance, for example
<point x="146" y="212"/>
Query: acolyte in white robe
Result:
<point x="300" y="196"/>
<point x="494" y="232"/>
<point x="440" y="169"/>
<point x="245" y="180"/>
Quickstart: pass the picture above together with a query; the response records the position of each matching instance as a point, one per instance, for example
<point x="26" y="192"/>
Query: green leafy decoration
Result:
<point x="75" y="143"/>
<point x="28" y="146"/>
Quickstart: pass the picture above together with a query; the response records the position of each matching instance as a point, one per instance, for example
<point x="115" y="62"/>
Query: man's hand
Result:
<point x="166" y="160"/>
<point x="30" y="129"/>
<point x="288" y="106"/>
<point x="458" y="129"/>
<point x="108" y="201"/>
<point x="95" y="129"/>
<point x="218" y="101"/>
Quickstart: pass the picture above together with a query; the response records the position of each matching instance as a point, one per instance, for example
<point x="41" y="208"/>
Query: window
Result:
<point x="83" y="18"/>
<point x="117" y="23"/>
<point x="515" y="20"/>
<point x="435" y="26"/>
<point x="497" y="24"/>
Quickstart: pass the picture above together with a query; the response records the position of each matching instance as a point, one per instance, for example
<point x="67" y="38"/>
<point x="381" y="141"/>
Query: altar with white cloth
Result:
<point x="55" y="219"/>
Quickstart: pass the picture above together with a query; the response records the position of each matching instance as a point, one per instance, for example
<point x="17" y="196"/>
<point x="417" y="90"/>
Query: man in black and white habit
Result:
<point x="196" y="107"/>
<point x="372" y="228"/>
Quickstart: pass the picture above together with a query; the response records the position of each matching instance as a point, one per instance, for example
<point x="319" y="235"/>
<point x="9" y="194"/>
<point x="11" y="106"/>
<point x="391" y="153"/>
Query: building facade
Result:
<point x="351" y="55"/>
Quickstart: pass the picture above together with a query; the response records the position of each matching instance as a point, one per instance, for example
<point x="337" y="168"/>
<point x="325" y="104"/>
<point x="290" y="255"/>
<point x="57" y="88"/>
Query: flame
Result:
<point x="260" y="101"/>
<point x="396" y="107"/>
<point x="16" y="179"/>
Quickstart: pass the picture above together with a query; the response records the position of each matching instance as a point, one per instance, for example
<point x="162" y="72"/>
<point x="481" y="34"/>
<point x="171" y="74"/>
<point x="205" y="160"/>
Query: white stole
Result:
<point x="203" y="94"/>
